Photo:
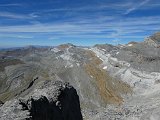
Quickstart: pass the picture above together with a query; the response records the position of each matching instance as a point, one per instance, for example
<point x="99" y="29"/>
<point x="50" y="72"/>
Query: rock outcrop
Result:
<point x="153" y="40"/>
<point x="51" y="101"/>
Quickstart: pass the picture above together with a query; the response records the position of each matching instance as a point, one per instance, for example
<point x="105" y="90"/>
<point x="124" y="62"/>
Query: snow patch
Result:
<point x="55" y="50"/>
<point x="77" y="64"/>
<point x="130" y="44"/>
<point x="103" y="49"/>
<point x="117" y="53"/>
<point x="105" y="67"/>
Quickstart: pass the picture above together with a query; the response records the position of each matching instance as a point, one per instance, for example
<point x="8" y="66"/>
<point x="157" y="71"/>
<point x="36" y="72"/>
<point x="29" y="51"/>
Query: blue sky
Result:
<point x="81" y="22"/>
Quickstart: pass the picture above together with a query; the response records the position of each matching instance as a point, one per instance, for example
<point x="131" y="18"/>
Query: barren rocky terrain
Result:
<point x="102" y="82"/>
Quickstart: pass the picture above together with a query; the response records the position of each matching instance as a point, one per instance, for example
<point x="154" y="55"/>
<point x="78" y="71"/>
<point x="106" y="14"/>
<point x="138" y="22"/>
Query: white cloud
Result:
<point x="136" y="6"/>
<point x="119" y="6"/>
<point x="99" y="28"/>
<point x="33" y="15"/>
<point x="54" y="38"/>
<point x="9" y="5"/>
<point x="128" y="25"/>
<point x="11" y="35"/>
<point x="17" y="16"/>
<point x="24" y="36"/>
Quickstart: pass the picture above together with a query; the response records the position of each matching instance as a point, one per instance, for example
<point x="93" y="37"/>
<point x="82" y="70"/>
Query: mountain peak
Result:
<point x="156" y="37"/>
<point x="153" y="40"/>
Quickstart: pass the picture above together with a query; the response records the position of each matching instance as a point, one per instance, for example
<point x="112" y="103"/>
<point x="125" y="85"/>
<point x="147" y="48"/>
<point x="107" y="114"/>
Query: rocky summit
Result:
<point x="54" y="100"/>
<point x="68" y="82"/>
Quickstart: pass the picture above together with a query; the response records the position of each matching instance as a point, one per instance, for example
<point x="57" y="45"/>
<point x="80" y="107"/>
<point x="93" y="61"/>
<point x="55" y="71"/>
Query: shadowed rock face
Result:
<point x="66" y="108"/>
<point x="42" y="109"/>
<point x="1" y="103"/>
<point x="70" y="105"/>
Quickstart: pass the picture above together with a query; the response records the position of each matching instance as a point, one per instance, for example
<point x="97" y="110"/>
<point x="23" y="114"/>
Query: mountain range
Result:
<point x="68" y="82"/>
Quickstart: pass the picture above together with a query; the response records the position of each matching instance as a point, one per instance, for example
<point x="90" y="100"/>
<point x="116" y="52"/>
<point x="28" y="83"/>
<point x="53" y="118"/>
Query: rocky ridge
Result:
<point x="50" y="101"/>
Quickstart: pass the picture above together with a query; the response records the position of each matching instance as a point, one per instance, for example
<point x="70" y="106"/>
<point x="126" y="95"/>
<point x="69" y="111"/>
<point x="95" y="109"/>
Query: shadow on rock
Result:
<point x="66" y="108"/>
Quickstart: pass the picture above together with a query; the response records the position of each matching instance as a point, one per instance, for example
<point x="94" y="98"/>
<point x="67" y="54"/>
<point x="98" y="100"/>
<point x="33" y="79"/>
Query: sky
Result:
<point x="81" y="22"/>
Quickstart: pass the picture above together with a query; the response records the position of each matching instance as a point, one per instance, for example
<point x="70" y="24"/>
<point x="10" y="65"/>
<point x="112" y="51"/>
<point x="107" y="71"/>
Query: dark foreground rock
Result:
<point x="1" y="103"/>
<point x="57" y="101"/>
